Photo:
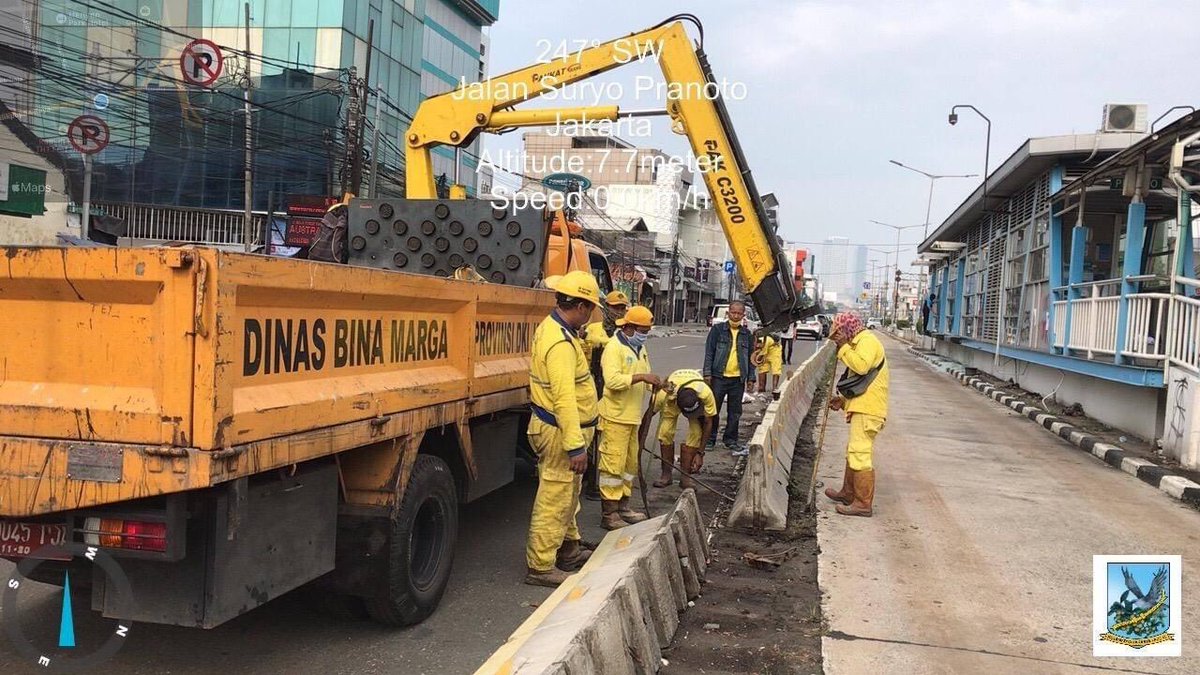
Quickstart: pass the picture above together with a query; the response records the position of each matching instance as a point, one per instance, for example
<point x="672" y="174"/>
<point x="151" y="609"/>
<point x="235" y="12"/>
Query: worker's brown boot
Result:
<point x="668" y="458"/>
<point x="551" y="578"/>
<point x="864" y="495"/>
<point x="846" y="494"/>
<point x="687" y="455"/>
<point x="627" y="514"/>
<point x="609" y="518"/>
<point x="571" y="555"/>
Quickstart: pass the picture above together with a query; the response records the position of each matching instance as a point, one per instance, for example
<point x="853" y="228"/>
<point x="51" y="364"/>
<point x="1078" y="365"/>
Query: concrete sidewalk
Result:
<point x="979" y="557"/>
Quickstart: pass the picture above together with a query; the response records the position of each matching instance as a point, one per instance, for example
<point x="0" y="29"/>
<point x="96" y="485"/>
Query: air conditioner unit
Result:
<point x="1124" y="118"/>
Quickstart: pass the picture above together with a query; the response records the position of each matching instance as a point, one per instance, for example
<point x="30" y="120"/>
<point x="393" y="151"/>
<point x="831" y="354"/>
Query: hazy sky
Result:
<point x="836" y="89"/>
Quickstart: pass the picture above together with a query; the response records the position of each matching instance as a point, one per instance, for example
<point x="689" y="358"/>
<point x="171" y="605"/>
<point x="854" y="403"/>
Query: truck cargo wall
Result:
<point x="208" y="349"/>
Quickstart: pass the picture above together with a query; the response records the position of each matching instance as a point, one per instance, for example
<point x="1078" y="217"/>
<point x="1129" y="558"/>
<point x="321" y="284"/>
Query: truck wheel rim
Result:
<point x="426" y="544"/>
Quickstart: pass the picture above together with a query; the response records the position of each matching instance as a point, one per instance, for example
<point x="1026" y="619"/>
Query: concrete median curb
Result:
<point x="762" y="497"/>
<point x="1179" y="487"/>
<point x="617" y="613"/>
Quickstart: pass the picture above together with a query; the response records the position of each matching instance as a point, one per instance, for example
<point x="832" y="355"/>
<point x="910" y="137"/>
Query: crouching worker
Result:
<point x="863" y="393"/>
<point x="686" y="393"/>
<point x="627" y="378"/>
<point x="563" y="399"/>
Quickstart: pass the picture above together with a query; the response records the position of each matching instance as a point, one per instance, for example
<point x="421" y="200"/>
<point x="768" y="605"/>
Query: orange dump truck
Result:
<point x="228" y="427"/>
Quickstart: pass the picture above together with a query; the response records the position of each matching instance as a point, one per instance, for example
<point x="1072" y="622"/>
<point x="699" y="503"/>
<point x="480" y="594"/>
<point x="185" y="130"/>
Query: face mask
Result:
<point x="637" y="340"/>
<point x="735" y="324"/>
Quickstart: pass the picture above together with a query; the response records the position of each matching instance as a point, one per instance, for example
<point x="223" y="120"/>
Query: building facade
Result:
<point x="33" y="188"/>
<point x="843" y="266"/>
<point x="1068" y="280"/>
<point x="179" y="144"/>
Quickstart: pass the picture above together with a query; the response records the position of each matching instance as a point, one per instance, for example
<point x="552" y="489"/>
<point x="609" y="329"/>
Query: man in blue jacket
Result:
<point x="726" y="367"/>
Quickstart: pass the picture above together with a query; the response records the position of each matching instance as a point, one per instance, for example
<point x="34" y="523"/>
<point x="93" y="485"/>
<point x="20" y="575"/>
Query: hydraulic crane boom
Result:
<point x="456" y="118"/>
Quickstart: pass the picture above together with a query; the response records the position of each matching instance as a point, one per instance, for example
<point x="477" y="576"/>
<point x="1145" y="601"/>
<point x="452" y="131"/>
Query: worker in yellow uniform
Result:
<point x="595" y="336"/>
<point x="597" y="333"/>
<point x="863" y="394"/>
<point x="626" y="367"/>
<point x="685" y="392"/>
<point x="563" y="399"/>
<point x="771" y="348"/>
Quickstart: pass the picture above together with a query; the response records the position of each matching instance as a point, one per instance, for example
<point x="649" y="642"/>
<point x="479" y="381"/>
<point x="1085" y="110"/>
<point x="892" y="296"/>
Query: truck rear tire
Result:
<point x="420" y="549"/>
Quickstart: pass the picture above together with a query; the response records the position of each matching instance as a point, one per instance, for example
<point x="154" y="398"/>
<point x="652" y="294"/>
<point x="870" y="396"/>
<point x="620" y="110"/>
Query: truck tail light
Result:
<point x="134" y="535"/>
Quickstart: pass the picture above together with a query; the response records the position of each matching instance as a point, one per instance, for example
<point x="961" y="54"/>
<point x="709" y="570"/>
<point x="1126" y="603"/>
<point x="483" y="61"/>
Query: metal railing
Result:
<point x="1145" y="325"/>
<point x="180" y="223"/>
<point x="1093" y="327"/>
<point x="1161" y="328"/>
<point x="1183" y="328"/>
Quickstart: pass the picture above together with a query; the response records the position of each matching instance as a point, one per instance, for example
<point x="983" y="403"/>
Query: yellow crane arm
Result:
<point x="694" y="103"/>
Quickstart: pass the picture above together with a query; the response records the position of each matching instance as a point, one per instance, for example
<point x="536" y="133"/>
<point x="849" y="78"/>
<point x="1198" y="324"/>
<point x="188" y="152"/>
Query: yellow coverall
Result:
<point x="620" y="413"/>
<point x="867" y="413"/>
<point x="595" y="338"/>
<point x="563" y="397"/>
<point x="667" y="405"/>
<point x="773" y="357"/>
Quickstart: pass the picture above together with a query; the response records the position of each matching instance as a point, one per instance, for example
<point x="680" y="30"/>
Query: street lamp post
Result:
<point x="933" y="178"/>
<point x="896" y="290"/>
<point x="880" y="286"/>
<point x="987" y="147"/>
<point x="952" y="119"/>
<point x="874" y="262"/>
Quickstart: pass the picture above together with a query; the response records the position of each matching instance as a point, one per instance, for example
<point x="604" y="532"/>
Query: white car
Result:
<point x="720" y="314"/>
<point x="809" y="328"/>
<point x="874" y="323"/>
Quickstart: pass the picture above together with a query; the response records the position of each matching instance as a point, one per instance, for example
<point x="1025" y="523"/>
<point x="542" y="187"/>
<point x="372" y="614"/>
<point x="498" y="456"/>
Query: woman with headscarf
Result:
<point x="862" y="392"/>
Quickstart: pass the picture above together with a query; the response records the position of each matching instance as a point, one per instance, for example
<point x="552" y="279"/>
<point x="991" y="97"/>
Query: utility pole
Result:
<point x="356" y="168"/>
<point x="85" y="217"/>
<point x="671" y="293"/>
<point x="375" y="145"/>
<point x="247" y="230"/>
<point x="351" y="133"/>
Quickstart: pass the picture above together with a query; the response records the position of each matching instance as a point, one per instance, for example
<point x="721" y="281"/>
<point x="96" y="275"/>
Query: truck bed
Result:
<point x="133" y="372"/>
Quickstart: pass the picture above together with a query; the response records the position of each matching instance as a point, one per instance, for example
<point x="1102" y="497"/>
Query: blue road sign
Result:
<point x="100" y="101"/>
<point x="729" y="267"/>
<point x="866" y="285"/>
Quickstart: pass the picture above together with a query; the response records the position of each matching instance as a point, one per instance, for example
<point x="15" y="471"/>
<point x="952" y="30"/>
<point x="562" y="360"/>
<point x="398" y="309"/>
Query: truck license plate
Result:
<point x="18" y="540"/>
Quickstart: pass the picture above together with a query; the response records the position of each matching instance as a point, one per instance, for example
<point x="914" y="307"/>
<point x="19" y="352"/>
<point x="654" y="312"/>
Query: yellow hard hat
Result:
<point x="637" y="316"/>
<point x="616" y="298"/>
<point x="578" y="284"/>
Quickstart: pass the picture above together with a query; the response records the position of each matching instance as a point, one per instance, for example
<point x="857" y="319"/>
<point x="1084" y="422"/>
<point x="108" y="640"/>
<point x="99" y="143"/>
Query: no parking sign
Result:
<point x="88" y="134"/>
<point x="201" y="62"/>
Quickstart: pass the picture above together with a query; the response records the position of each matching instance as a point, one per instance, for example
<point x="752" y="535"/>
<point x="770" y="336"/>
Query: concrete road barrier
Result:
<point x="617" y="613"/>
<point x="762" y="498"/>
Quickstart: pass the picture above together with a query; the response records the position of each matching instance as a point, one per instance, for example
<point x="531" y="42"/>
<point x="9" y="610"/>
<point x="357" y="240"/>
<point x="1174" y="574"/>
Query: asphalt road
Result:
<point x="484" y="603"/>
<point x="979" y="556"/>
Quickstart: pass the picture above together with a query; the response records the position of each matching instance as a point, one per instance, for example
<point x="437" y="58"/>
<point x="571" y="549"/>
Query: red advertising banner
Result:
<point x="798" y="275"/>
<point x="304" y="214"/>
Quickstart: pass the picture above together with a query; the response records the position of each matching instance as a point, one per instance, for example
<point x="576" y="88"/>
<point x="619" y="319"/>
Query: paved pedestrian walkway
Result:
<point x="979" y="557"/>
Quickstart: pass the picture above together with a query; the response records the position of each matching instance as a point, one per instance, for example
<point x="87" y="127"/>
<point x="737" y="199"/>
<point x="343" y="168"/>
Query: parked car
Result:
<point x="826" y="324"/>
<point x="720" y="313"/>
<point x="810" y="328"/>
<point x="874" y="323"/>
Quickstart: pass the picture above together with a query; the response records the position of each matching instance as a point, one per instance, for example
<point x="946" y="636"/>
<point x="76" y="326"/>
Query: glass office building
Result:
<point x="174" y="143"/>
